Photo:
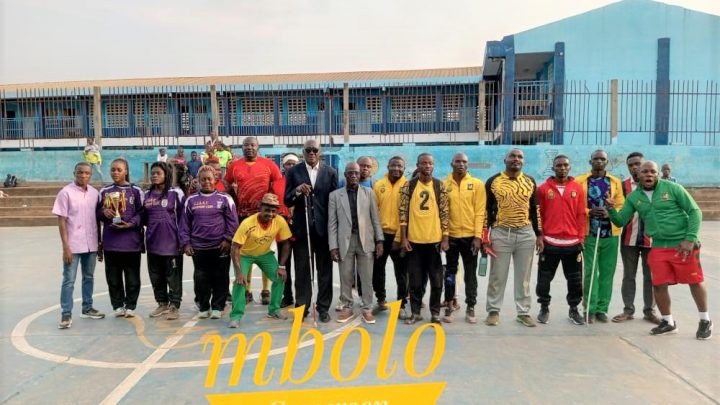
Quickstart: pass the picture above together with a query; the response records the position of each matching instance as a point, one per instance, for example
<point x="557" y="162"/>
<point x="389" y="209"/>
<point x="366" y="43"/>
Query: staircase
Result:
<point x="30" y="204"/>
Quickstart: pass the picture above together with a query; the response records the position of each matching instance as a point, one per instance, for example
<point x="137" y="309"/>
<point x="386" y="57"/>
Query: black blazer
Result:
<point x="326" y="182"/>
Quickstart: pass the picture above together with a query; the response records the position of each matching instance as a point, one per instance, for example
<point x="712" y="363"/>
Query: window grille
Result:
<point x="374" y="106"/>
<point x="451" y="107"/>
<point x="116" y="115"/>
<point x="297" y="111"/>
<point x="257" y="112"/>
<point x="419" y="108"/>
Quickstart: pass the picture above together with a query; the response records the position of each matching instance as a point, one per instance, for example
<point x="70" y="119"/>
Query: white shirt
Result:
<point x="162" y="158"/>
<point x="313" y="172"/>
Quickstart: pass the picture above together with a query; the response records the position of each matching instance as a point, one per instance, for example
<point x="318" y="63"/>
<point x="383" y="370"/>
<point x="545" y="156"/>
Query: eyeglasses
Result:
<point x="352" y="173"/>
<point x="312" y="150"/>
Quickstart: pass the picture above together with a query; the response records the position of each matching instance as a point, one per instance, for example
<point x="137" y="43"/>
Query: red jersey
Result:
<point x="253" y="180"/>
<point x="562" y="214"/>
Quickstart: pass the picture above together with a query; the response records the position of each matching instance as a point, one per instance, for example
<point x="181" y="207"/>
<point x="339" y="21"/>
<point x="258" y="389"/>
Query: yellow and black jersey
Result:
<point x="511" y="202"/>
<point x="467" y="206"/>
<point x="425" y="214"/>
<point x="387" y="195"/>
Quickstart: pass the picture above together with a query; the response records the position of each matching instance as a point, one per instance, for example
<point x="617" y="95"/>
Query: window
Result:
<point x="157" y="110"/>
<point x="419" y="108"/>
<point x="451" y="107"/>
<point x="139" y="111"/>
<point x="116" y="115"/>
<point x="374" y="107"/>
<point x="257" y="112"/>
<point x="297" y="111"/>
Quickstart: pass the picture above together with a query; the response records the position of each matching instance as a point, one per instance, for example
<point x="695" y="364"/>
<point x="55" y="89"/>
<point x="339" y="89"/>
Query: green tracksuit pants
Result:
<point x="603" y="273"/>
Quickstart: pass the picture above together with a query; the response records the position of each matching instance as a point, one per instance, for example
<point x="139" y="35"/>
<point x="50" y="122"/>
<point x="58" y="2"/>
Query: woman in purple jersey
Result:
<point x="163" y="205"/>
<point x="207" y="225"/>
<point x="120" y="209"/>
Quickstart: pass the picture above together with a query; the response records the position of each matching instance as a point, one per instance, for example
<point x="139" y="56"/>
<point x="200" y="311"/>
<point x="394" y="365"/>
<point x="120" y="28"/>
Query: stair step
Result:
<point x="28" y="201"/>
<point x="25" y="211"/>
<point x="33" y="220"/>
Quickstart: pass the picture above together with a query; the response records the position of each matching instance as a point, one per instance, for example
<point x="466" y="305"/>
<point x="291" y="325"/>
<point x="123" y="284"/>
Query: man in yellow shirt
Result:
<point x="424" y="233"/>
<point x="387" y="194"/>
<point x="467" y="216"/>
<point x="251" y="245"/>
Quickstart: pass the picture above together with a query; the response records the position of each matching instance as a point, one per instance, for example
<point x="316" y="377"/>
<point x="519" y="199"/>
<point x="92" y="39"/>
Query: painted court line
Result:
<point x="130" y="381"/>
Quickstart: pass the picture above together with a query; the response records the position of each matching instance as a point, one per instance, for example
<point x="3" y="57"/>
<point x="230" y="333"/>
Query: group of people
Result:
<point x="315" y="218"/>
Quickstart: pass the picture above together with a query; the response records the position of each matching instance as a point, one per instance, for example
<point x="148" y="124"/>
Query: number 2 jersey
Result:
<point x="426" y="217"/>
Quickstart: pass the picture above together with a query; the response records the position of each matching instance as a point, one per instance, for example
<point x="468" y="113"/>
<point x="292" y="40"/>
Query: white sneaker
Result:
<point x="119" y="312"/>
<point x="215" y="314"/>
<point x="129" y="313"/>
<point x="203" y="314"/>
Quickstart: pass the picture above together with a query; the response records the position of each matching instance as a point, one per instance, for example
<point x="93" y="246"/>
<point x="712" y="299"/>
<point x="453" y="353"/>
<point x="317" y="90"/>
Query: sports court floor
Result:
<point x="143" y="360"/>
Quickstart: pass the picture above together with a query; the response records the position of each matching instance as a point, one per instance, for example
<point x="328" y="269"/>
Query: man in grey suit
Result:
<point x="355" y="238"/>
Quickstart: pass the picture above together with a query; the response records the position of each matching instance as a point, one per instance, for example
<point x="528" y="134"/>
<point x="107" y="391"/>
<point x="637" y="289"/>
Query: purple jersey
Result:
<point x="122" y="240"/>
<point x="207" y="220"/>
<point x="161" y="217"/>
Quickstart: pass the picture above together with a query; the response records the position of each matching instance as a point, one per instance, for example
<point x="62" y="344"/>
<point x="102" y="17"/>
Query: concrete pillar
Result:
<point x="662" y="92"/>
<point x="215" y="120"/>
<point x="482" y="113"/>
<point x="346" y="113"/>
<point x="97" y="118"/>
<point x="558" y="93"/>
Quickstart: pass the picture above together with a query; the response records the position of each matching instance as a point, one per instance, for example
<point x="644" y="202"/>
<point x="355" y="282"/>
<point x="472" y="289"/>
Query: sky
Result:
<point x="63" y="40"/>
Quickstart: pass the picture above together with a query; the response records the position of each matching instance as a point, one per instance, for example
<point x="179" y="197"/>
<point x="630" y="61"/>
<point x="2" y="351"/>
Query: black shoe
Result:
<point x="601" y="317"/>
<point x="286" y="302"/>
<point x="435" y="319"/>
<point x="664" y="328"/>
<point x="575" y="316"/>
<point x="544" y="315"/>
<point x="704" y="331"/>
<point x="324" y="317"/>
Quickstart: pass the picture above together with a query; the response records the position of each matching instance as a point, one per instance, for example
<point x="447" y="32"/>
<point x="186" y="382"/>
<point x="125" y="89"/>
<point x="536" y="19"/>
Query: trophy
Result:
<point x="116" y="202"/>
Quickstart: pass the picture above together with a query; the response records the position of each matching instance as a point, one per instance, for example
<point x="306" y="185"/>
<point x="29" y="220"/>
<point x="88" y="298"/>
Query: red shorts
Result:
<point x="667" y="267"/>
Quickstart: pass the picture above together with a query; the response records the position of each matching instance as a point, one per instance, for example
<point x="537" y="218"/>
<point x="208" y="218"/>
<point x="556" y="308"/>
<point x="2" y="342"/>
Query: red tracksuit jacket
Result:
<point x="562" y="216"/>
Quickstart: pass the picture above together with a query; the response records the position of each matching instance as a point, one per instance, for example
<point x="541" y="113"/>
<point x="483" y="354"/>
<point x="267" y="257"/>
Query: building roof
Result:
<point x="439" y="75"/>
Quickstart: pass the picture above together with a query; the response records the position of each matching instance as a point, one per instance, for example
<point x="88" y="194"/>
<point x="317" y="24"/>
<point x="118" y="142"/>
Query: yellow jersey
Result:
<point x="467" y="206"/>
<point x="255" y="239"/>
<point x="425" y="217"/>
<point x="388" y="199"/>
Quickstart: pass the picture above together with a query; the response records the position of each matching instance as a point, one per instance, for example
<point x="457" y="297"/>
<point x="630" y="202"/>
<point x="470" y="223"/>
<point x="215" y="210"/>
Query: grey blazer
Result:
<point x="340" y="220"/>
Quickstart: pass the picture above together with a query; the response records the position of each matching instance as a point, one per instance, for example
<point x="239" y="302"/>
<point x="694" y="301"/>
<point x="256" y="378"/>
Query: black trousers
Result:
<point x="571" y="258"/>
<point x="166" y="278"/>
<point x="122" y="272"/>
<point x="211" y="278"/>
<point x="288" y="291"/>
<point x="424" y="264"/>
<point x="323" y="266"/>
<point x="401" y="275"/>
<point x="461" y="247"/>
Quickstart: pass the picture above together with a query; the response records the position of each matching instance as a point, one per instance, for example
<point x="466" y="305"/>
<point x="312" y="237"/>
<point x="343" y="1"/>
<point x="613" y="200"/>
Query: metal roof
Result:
<point x="439" y="75"/>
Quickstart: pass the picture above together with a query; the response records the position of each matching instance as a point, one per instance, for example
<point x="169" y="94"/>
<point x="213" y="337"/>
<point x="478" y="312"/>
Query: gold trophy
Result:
<point x="116" y="202"/>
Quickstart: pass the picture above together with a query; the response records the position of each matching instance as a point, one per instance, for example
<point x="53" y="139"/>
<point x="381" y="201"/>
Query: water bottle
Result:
<point x="483" y="265"/>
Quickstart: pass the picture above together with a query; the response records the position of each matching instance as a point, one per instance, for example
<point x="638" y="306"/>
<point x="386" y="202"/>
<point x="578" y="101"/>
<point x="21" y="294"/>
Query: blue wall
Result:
<point x="693" y="166"/>
<point x="619" y="41"/>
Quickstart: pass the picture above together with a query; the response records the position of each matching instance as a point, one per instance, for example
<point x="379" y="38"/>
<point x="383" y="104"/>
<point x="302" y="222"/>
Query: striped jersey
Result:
<point x="511" y="202"/>
<point x="633" y="234"/>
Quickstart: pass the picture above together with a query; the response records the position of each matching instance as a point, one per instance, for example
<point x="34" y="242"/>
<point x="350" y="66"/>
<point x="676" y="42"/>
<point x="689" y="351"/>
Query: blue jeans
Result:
<point x="87" y="263"/>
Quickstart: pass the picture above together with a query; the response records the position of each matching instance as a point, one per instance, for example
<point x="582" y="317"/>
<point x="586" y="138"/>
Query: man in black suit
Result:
<point x="315" y="180"/>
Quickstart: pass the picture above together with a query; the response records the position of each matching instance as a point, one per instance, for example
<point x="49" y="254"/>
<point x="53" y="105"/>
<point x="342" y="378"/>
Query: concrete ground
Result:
<point x="143" y="360"/>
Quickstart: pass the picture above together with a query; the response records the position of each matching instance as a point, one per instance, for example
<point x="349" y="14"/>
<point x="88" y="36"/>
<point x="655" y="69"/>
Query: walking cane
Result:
<point x="592" y="276"/>
<point x="311" y="259"/>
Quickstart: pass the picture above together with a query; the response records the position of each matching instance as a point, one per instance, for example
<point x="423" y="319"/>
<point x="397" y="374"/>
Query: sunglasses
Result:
<point x="312" y="150"/>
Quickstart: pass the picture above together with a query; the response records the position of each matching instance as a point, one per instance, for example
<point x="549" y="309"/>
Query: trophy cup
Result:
<point x="116" y="202"/>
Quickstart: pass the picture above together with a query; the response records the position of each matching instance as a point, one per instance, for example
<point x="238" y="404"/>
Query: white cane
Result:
<point x="311" y="259"/>
<point x="592" y="276"/>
